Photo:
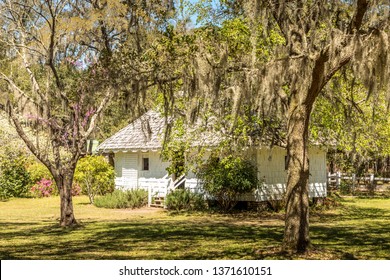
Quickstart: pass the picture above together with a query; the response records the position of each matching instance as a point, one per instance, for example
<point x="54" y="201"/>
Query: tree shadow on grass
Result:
<point x="198" y="237"/>
<point x="188" y="240"/>
<point x="351" y="212"/>
<point x="359" y="232"/>
<point x="145" y="240"/>
<point x="358" y="213"/>
<point x="369" y="242"/>
<point x="340" y="242"/>
<point x="25" y="230"/>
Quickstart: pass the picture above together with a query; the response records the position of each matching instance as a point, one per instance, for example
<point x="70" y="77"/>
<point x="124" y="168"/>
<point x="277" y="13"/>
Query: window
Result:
<point x="145" y="163"/>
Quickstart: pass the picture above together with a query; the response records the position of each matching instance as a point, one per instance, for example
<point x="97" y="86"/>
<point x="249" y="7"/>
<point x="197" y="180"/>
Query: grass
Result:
<point x="359" y="229"/>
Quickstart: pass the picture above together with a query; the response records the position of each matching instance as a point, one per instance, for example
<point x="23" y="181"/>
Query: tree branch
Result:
<point x="51" y="50"/>
<point x="99" y="110"/>
<point x="343" y="61"/>
<point x="357" y="20"/>
<point x="17" y="89"/>
<point x="19" y="129"/>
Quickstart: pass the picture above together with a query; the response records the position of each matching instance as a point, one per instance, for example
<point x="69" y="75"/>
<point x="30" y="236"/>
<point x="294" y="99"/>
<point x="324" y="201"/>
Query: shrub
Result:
<point x="14" y="178"/>
<point x="95" y="176"/>
<point x="345" y="188"/>
<point x="276" y="205"/>
<point x="227" y="178"/>
<point x="333" y="200"/>
<point x="76" y="189"/>
<point x="38" y="171"/>
<point x="123" y="199"/>
<point x="43" y="188"/>
<point x="182" y="199"/>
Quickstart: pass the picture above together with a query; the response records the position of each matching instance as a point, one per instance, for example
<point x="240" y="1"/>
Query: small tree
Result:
<point x="176" y="156"/>
<point x="61" y="64"/>
<point x="95" y="176"/>
<point x="227" y="178"/>
<point x="14" y="178"/>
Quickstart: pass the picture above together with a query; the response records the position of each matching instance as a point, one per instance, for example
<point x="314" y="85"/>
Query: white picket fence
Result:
<point x="160" y="187"/>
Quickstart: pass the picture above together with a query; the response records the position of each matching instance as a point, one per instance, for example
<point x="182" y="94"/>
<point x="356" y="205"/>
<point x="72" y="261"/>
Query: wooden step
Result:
<point x="158" y="202"/>
<point x="157" y="205"/>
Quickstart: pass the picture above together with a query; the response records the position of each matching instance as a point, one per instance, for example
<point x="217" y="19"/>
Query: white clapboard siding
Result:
<point x="127" y="166"/>
<point x="270" y="163"/>
<point x="317" y="160"/>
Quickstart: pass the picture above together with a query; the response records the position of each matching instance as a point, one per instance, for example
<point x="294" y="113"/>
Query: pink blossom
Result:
<point x="43" y="188"/>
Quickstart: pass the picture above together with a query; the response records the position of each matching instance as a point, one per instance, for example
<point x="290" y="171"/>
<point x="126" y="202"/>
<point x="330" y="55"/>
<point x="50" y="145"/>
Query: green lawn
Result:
<point x="360" y="229"/>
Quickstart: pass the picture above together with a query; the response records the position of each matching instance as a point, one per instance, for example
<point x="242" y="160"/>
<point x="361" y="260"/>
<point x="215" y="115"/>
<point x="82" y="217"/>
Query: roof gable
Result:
<point x="145" y="133"/>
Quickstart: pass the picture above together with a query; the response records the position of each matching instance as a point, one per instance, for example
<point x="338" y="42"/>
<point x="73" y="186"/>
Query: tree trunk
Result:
<point x="90" y="191"/>
<point x="64" y="185"/>
<point x="296" y="232"/>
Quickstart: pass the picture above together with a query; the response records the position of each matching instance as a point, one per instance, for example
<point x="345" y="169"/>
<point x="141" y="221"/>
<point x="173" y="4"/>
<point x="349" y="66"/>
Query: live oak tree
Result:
<point x="321" y="38"/>
<point x="282" y="79"/>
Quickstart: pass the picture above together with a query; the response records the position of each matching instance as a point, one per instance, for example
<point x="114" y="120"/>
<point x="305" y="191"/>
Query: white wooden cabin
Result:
<point x="138" y="164"/>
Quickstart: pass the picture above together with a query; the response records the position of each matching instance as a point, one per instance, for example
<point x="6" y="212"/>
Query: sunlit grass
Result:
<point x="360" y="229"/>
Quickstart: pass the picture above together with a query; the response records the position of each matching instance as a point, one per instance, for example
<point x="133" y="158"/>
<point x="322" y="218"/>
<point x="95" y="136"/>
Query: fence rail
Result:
<point x="158" y="187"/>
<point x="370" y="180"/>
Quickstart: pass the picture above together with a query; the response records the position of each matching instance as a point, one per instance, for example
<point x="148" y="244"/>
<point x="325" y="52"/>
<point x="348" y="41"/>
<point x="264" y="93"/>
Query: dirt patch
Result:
<point x="143" y="210"/>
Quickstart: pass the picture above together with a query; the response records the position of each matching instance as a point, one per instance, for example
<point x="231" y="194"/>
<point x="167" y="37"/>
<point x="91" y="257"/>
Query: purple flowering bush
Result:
<point x="76" y="190"/>
<point x="46" y="187"/>
<point x="43" y="188"/>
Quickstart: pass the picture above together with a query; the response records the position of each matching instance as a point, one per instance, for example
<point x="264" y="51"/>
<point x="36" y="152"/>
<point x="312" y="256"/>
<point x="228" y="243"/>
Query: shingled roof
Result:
<point x="145" y="133"/>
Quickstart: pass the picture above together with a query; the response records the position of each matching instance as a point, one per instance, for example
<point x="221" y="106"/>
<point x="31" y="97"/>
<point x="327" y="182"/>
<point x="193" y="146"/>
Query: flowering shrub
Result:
<point x="76" y="190"/>
<point x="43" y="188"/>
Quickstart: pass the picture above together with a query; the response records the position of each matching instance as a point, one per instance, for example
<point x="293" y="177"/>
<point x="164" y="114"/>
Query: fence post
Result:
<point x="372" y="179"/>
<point x="149" y="195"/>
<point x="372" y="184"/>
<point x="338" y="179"/>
